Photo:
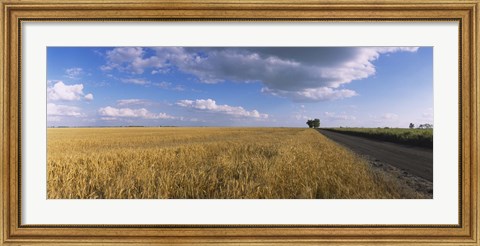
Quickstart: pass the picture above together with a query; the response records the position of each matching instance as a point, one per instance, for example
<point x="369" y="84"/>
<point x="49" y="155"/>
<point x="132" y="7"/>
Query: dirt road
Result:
<point x="415" y="160"/>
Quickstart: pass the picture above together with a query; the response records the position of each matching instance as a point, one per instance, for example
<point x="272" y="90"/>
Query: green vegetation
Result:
<point x="313" y="123"/>
<point x="415" y="137"/>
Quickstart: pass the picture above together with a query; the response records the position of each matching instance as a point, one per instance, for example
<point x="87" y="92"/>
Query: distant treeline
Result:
<point x="414" y="137"/>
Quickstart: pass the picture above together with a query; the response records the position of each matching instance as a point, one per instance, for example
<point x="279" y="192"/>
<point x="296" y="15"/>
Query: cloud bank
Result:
<point x="307" y="74"/>
<point x="134" y="102"/>
<point x="131" y="113"/>
<point x="209" y="105"/>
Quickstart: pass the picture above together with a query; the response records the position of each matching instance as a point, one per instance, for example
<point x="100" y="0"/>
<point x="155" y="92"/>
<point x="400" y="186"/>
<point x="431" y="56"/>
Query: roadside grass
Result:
<point x="209" y="163"/>
<point x="414" y="137"/>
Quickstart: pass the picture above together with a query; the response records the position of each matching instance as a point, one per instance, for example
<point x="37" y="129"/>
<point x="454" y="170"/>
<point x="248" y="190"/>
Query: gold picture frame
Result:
<point x="15" y="12"/>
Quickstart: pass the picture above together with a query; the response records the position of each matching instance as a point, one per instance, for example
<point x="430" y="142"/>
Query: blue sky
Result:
<point x="239" y="86"/>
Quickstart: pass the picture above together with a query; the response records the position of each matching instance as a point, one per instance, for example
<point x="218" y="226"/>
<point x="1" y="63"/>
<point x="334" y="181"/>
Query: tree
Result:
<point x="313" y="123"/>
<point x="425" y="126"/>
<point x="310" y="123"/>
<point x="316" y="123"/>
<point x="411" y="126"/>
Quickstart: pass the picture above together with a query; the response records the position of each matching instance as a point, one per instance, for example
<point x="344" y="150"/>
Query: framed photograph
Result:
<point x="256" y="122"/>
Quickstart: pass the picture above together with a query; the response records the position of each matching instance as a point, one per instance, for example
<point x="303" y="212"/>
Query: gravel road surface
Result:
<point x="415" y="160"/>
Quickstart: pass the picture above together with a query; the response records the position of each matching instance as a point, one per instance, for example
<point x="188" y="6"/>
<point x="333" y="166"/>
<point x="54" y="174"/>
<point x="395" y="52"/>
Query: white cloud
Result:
<point x="49" y="82"/>
<point x="160" y="71"/>
<point x="130" y="59"/>
<point x="137" y="81"/>
<point x="106" y="68"/>
<point x="54" y="118"/>
<point x="63" y="110"/>
<point x="302" y="117"/>
<point x="178" y="88"/>
<point x="124" y="54"/>
<point x="428" y="114"/>
<point x="390" y="116"/>
<point x="209" y="105"/>
<point x="186" y="103"/>
<point x="132" y="113"/>
<point x="89" y="97"/>
<point x="61" y="91"/>
<point x="163" y="85"/>
<point x="298" y="73"/>
<point x="312" y="95"/>
<point x="339" y="116"/>
<point x="133" y="102"/>
<point x="73" y="73"/>
<point x="301" y="113"/>
<point x="396" y="49"/>
<point x="169" y="86"/>
<point x="108" y="118"/>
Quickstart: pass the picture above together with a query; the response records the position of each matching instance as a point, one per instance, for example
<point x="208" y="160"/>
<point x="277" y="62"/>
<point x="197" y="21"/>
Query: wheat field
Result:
<point x="208" y="163"/>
